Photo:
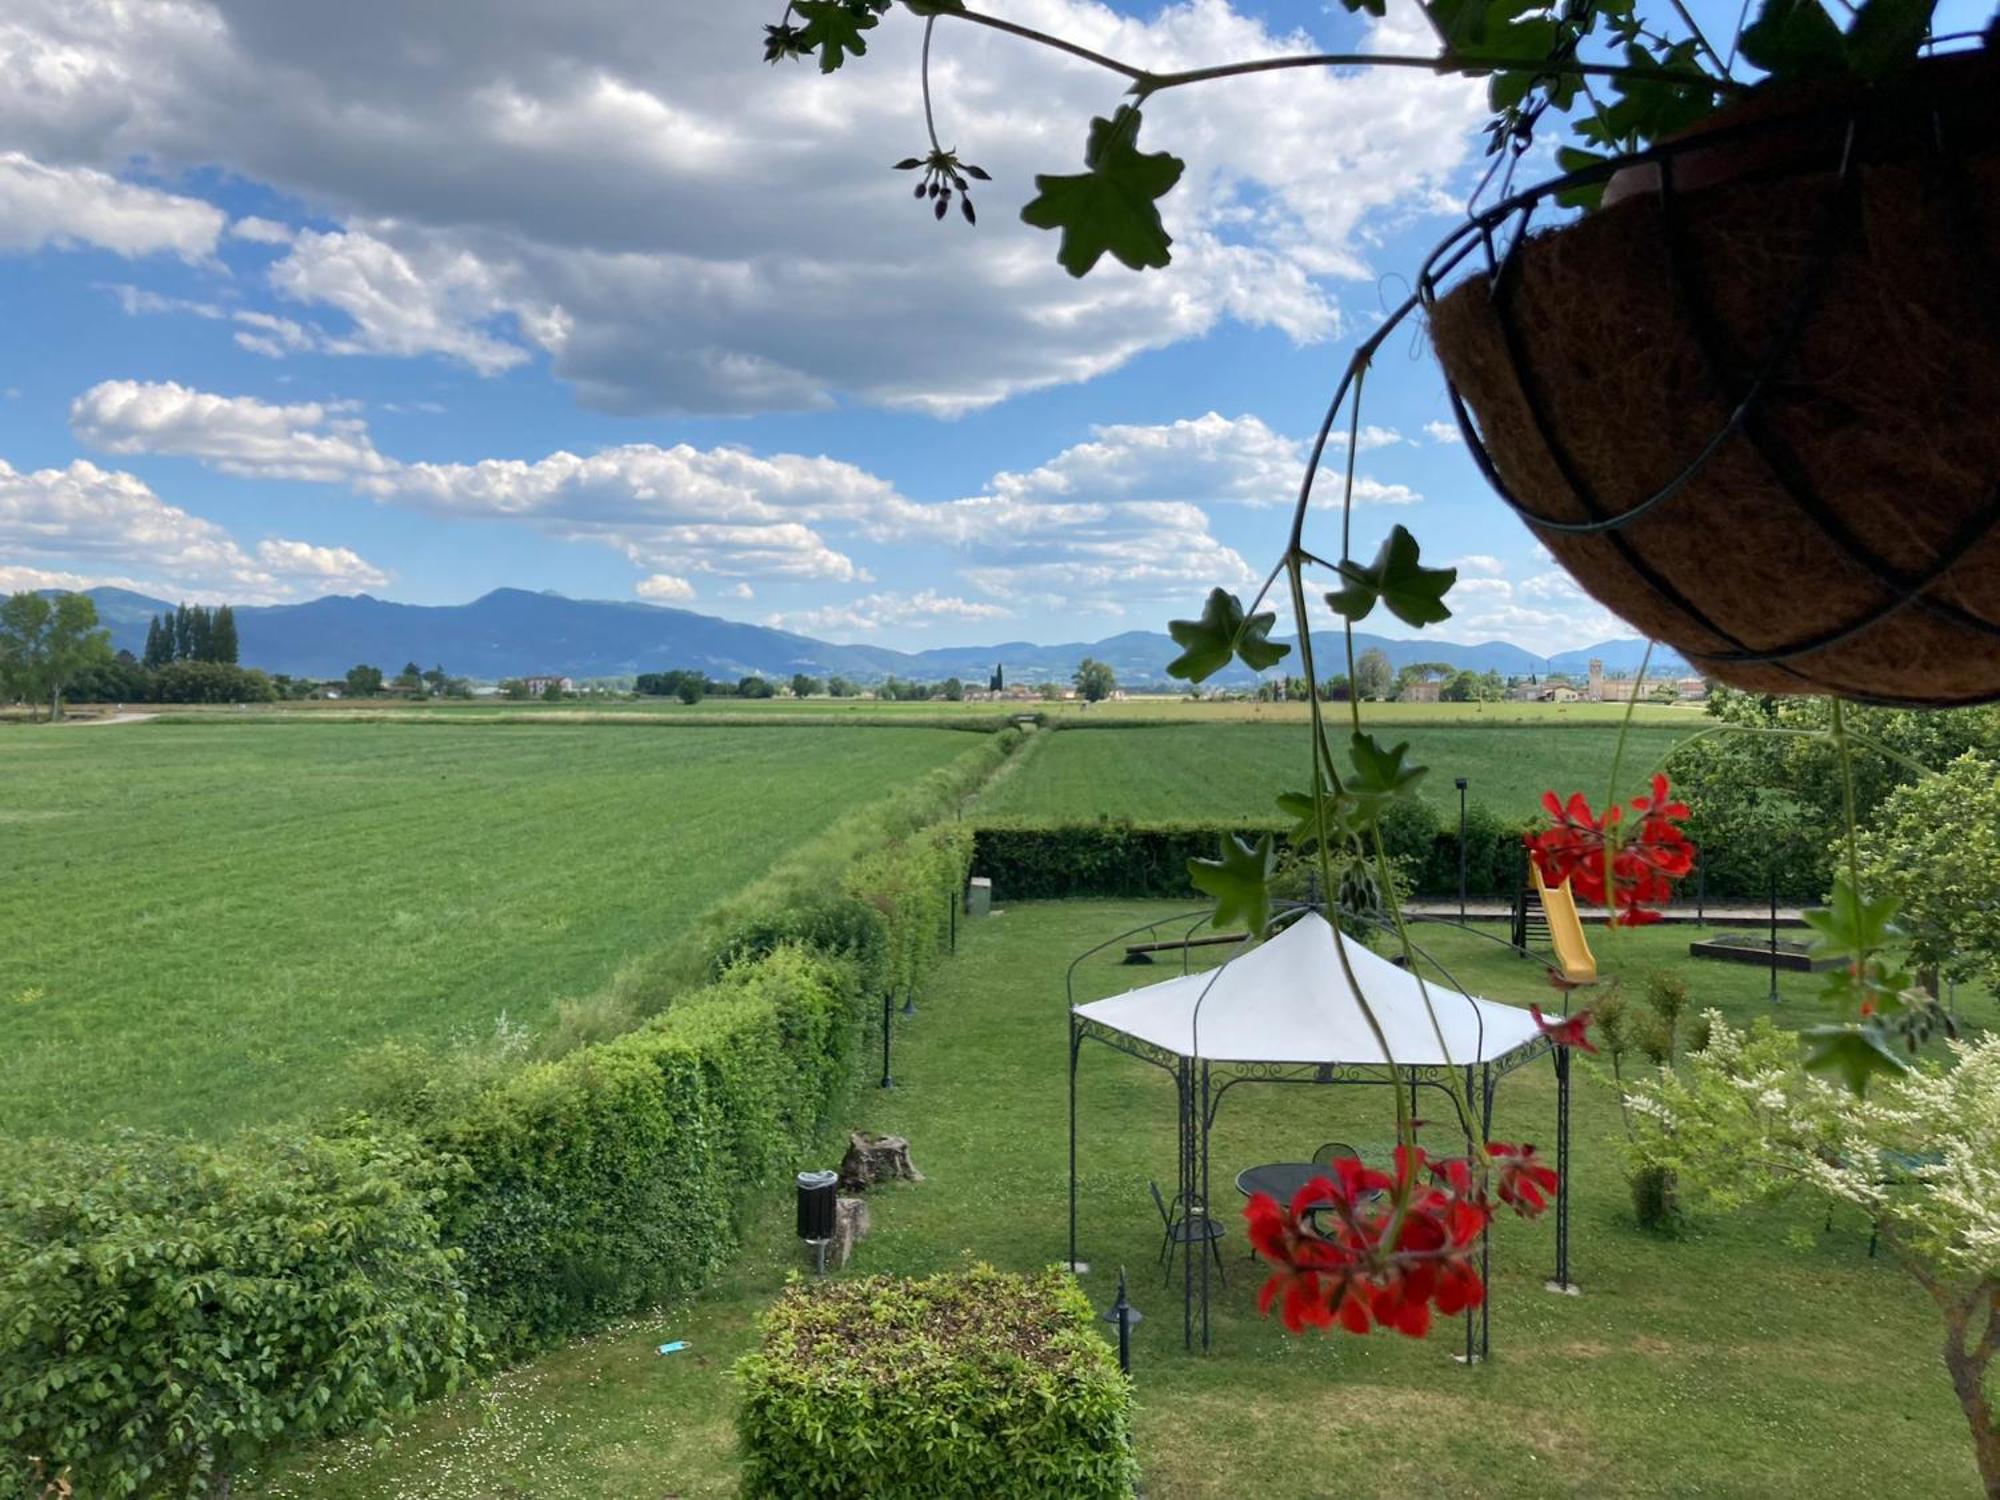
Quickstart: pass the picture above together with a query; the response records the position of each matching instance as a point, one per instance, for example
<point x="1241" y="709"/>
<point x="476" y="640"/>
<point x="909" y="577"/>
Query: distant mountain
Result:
<point x="1622" y="656"/>
<point x="512" y="633"/>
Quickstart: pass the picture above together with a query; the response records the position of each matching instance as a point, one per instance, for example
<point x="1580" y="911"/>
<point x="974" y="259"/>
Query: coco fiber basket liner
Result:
<point x="1843" y="534"/>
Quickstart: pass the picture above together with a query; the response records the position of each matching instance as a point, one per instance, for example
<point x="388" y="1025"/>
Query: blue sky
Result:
<point x="421" y="303"/>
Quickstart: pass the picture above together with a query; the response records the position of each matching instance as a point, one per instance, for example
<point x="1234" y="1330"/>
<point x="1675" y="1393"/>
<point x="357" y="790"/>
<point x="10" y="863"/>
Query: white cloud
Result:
<point x="261" y="231"/>
<point x="334" y="568"/>
<point x="628" y="189"/>
<point x="237" y="434"/>
<point x="138" y="301"/>
<point x="1371" y="437"/>
<point x="1374" y="492"/>
<point x="876" y="612"/>
<point x="741" y="591"/>
<point x="1210" y="457"/>
<point x="274" y="337"/>
<point x="427" y="303"/>
<point x="16" y="578"/>
<point x="1443" y="432"/>
<point x="1479" y="564"/>
<point x="104" y="526"/>
<point x="664" y="588"/>
<point x="68" y="206"/>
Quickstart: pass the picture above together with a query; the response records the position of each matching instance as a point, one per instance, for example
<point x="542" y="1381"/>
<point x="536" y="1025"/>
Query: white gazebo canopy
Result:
<point x="1288" y="1000"/>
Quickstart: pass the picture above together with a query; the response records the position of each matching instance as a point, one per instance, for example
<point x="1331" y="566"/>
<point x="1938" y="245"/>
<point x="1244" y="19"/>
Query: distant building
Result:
<point x="1419" y="692"/>
<point x="1604" y="689"/>
<point x="537" y="686"/>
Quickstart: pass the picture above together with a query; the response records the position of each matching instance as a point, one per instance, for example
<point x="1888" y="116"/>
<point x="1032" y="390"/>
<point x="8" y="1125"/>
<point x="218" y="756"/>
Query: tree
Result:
<point x="754" y="686"/>
<point x="45" y="643"/>
<point x="840" y="687"/>
<point x="1051" y="692"/>
<point x="159" y="645"/>
<point x="1336" y="689"/>
<point x="952" y="690"/>
<point x="1935" y="847"/>
<point x="183" y="633"/>
<point x="1741" y="1122"/>
<point x="690" y="688"/>
<point x="364" y="681"/>
<point x="1094" y="680"/>
<point x="436" y="679"/>
<point x="201" y="634"/>
<point x="1371" y="674"/>
<point x="223" y="644"/>
<point x="806" y="687"/>
<point x="411" y="677"/>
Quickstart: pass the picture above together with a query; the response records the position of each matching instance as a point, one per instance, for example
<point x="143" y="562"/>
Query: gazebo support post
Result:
<point x="1560" y="1282"/>
<point x="1076" y="1267"/>
<point x="1184" y="1143"/>
<point x="1486" y="1239"/>
<point x="1205" y="1244"/>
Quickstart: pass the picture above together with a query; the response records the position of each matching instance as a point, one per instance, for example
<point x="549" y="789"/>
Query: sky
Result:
<point x="420" y="301"/>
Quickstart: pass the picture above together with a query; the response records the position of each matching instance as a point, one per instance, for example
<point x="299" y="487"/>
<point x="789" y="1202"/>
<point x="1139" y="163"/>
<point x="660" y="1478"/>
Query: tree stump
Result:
<point x="850" y="1227"/>
<point x="875" y="1158"/>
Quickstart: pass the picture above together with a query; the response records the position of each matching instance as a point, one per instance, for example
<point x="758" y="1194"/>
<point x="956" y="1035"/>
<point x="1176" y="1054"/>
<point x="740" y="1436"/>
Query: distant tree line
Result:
<point x="692" y="686"/>
<point x="191" y="633"/>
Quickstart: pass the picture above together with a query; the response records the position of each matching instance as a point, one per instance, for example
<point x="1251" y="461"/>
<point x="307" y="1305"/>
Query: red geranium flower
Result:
<point x="1637" y="871"/>
<point x="1565" y="1031"/>
<point x="1525" y="1183"/>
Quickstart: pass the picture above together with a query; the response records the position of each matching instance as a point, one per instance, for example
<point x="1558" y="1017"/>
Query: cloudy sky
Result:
<point x="420" y="300"/>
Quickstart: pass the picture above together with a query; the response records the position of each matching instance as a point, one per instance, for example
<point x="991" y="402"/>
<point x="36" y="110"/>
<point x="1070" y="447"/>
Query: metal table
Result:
<point x="1281" y="1179"/>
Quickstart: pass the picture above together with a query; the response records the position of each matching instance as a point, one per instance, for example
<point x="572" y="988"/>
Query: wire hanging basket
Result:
<point x="1753" y="404"/>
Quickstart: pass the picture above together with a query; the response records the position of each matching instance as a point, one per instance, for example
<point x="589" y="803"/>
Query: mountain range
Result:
<point x="515" y="633"/>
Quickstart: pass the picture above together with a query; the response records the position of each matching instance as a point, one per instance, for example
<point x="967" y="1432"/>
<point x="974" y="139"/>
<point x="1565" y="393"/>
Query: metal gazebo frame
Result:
<point x="1199" y="1086"/>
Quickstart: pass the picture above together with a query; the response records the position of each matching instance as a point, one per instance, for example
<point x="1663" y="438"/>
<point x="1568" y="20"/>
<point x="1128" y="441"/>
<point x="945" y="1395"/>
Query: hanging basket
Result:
<point x="1753" y="407"/>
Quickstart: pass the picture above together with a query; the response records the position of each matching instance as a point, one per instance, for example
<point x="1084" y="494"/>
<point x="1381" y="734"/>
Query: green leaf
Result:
<point x="833" y="29"/>
<point x="1793" y="39"/>
<point x="1240" y="882"/>
<point x="1380" y="776"/>
<point x="1333" y="809"/>
<point x="1223" y="632"/>
<point x="1414" y="593"/>
<point x="1575" y="159"/>
<point x="1850" y="927"/>
<point x="1854" y="1052"/>
<point x="1885" y="36"/>
<point x="1111" y="207"/>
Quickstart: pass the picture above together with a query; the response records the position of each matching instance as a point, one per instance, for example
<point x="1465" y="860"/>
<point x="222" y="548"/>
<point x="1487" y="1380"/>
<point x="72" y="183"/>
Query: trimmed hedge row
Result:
<point x="1142" y="860"/>
<point x="967" y="1386"/>
<point x="169" y="1311"/>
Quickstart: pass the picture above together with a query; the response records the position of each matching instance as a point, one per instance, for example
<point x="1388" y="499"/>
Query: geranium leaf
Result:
<point x="1240" y="882"/>
<point x="1380" y="777"/>
<point x="1856" y="1053"/>
<point x="1850" y="927"/>
<point x="833" y="29"/>
<point x="1795" y="39"/>
<point x="1222" y="632"/>
<point x="1111" y="207"/>
<point x="1885" y="35"/>
<point x="1398" y="578"/>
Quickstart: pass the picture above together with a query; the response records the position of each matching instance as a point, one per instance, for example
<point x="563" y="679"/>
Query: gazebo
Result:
<point x="1284" y="1011"/>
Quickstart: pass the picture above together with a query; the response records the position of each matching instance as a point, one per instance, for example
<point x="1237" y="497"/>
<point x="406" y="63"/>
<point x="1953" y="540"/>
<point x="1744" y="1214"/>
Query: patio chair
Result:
<point x="1180" y="1228"/>
<point x="1332" y="1152"/>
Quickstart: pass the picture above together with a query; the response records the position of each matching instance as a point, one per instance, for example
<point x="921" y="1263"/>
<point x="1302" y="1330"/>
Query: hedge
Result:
<point x="1146" y="860"/>
<point x="168" y="1309"/>
<point x="974" y="1385"/>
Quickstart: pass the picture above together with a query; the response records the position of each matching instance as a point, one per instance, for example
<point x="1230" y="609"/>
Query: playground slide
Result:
<point x="1579" y="964"/>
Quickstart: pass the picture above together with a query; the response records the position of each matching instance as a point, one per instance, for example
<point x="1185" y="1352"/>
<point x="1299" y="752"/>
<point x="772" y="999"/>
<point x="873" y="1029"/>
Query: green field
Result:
<point x="1231" y="772"/>
<point x="199" y="924"/>
<point x="1763" y="1354"/>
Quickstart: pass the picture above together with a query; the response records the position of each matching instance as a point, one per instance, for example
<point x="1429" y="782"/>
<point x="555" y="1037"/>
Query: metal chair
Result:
<point x="1332" y="1152"/>
<point x="1185" y="1229"/>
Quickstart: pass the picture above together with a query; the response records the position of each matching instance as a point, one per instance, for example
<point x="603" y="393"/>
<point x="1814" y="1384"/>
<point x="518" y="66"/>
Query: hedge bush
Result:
<point x="1145" y="860"/>
<point x="974" y="1385"/>
<point x="168" y="1309"/>
<point x="613" y="1178"/>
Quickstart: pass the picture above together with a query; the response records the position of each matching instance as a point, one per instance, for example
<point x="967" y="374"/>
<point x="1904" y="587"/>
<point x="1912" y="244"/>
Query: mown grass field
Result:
<point x="1759" y="1355"/>
<point x="201" y="924"/>
<point x="1231" y="771"/>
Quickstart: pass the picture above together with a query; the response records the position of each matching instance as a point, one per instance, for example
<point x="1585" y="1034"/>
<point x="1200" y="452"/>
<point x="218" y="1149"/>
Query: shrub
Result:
<point x="1656" y="1200"/>
<point x="613" y="1178"/>
<point x="974" y="1384"/>
<point x="168" y="1309"/>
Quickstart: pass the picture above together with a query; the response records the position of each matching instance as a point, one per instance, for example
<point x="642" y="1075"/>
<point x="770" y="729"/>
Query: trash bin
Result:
<point x="979" y="897"/>
<point x="816" y="1191"/>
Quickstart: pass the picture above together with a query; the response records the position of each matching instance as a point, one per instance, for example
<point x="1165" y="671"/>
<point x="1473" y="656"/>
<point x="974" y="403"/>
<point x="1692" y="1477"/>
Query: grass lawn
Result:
<point x="1757" y="1356"/>
<point x="1228" y="770"/>
<point x="202" y="922"/>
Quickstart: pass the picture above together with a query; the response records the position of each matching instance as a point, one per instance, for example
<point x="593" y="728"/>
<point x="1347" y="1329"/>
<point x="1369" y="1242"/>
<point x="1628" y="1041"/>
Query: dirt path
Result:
<point x="120" y="718"/>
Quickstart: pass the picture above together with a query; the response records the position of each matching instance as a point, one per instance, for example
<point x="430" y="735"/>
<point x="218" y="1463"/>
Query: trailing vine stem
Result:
<point x="1145" y="83"/>
<point x="924" y="71"/>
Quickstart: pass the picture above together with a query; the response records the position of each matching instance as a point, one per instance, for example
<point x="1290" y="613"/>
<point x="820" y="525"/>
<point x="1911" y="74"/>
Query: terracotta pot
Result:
<point x="1784" y="378"/>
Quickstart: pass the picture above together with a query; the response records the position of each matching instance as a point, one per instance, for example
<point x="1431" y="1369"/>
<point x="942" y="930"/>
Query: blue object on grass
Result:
<point x="674" y="1348"/>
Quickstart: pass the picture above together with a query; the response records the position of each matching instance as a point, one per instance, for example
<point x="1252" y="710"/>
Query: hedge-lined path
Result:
<point x="1758" y="1356"/>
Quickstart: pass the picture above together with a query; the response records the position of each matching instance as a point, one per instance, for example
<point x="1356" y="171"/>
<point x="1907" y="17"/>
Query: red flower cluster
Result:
<point x="1565" y="1031"/>
<point x="1361" y="1249"/>
<point x="1636" y="870"/>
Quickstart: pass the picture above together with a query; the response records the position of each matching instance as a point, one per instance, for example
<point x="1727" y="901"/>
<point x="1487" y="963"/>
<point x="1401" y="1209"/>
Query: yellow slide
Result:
<point x="1579" y="964"/>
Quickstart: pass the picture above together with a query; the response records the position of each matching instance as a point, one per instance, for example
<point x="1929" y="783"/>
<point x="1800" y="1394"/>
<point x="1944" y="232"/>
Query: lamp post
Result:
<point x="1459" y="782"/>
<point x="1123" y="1316"/>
